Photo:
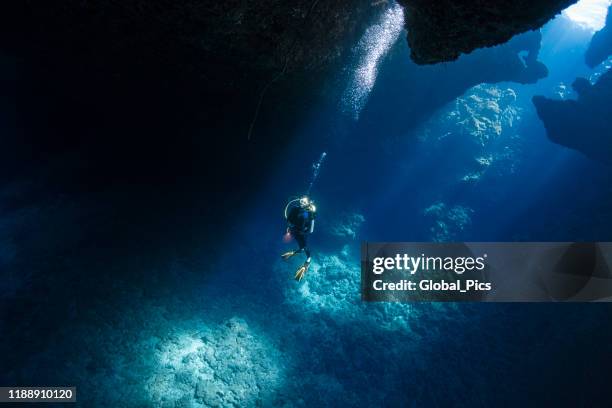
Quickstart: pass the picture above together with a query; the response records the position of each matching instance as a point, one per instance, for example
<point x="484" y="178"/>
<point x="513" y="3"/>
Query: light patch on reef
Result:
<point x="485" y="113"/>
<point x="229" y="365"/>
<point x="372" y="47"/>
<point x="589" y="14"/>
<point x="332" y="287"/>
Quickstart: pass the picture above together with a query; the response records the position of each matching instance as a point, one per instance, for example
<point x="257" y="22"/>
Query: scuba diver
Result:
<point x="300" y="215"/>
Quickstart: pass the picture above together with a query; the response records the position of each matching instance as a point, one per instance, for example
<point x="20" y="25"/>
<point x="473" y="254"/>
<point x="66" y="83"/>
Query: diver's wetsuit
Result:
<point x="300" y="221"/>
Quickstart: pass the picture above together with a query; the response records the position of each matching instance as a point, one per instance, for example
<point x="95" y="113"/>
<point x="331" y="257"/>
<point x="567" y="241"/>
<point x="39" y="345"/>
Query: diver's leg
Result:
<point x="304" y="268"/>
<point x="301" y="241"/>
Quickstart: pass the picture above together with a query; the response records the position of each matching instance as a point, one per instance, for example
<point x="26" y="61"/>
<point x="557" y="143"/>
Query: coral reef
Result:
<point x="270" y="341"/>
<point x="448" y="221"/>
<point x="484" y="113"/>
<point x="227" y="365"/>
<point x="347" y="225"/>
<point x="333" y="288"/>
<point x="486" y="118"/>
<point x="164" y="354"/>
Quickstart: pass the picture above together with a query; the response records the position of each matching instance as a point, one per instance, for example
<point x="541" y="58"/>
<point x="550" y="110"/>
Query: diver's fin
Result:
<point x="301" y="271"/>
<point x="288" y="255"/>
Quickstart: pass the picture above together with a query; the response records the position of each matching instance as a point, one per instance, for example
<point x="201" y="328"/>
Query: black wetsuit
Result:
<point x="300" y="221"/>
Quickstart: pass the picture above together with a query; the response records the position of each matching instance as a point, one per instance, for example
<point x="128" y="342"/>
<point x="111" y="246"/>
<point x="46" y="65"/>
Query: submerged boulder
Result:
<point x="582" y="124"/>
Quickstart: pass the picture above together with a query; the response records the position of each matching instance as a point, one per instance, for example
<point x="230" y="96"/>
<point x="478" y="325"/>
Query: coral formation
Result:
<point x="448" y="221"/>
<point x="423" y="90"/>
<point x="347" y="225"/>
<point x="226" y="365"/>
<point x="486" y="119"/>
<point x="484" y="113"/>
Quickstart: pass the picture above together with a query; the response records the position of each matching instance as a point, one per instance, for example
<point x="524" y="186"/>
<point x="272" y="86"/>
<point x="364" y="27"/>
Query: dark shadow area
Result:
<point x="125" y="146"/>
<point x="581" y="124"/>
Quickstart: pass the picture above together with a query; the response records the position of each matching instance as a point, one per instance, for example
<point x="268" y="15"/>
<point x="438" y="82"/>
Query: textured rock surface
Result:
<point x="347" y="225"/>
<point x="601" y="44"/>
<point x="447" y="222"/>
<point x="227" y="42"/>
<point x="227" y="365"/>
<point x="582" y="124"/>
<point x="442" y="30"/>
<point x="486" y="119"/>
<point x="481" y="131"/>
<point x="261" y="339"/>
<point x="483" y="114"/>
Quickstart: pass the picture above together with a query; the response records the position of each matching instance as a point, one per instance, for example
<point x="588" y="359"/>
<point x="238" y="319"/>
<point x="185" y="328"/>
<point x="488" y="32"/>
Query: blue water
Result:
<point x="475" y="166"/>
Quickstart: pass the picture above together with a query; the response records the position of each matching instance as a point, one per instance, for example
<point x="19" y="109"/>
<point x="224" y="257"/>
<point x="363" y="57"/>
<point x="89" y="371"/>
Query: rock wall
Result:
<point x="601" y="44"/>
<point x="582" y="124"/>
<point x="222" y="43"/>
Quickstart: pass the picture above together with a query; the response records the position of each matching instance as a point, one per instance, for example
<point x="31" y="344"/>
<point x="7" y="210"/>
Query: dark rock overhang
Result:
<point x="441" y="30"/>
<point x="226" y="44"/>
